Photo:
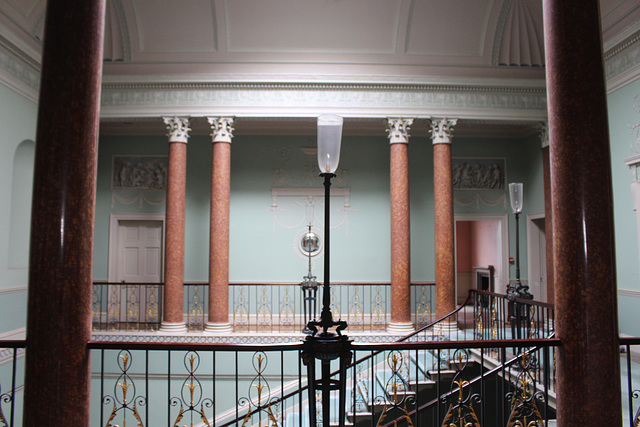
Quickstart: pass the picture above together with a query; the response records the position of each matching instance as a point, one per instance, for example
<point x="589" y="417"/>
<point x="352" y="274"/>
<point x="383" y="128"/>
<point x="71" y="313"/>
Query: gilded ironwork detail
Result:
<point x="461" y="412"/>
<point x="152" y="311"/>
<point x="191" y="399"/>
<point x="524" y="400"/>
<point x="378" y="313"/>
<point x="423" y="312"/>
<point x="241" y="313"/>
<point x="133" y="306"/>
<point x="124" y="399"/>
<point x="259" y="393"/>
<point x="335" y="310"/>
<point x="264" y="312"/>
<point x="113" y="312"/>
<point x="287" y="313"/>
<point x="356" y="315"/>
<point x="196" y="311"/>
<point x="398" y="399"/>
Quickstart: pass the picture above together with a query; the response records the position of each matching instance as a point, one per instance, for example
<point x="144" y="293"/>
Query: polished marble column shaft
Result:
<point x="57" y="365"/>
<point x="173" y="319"/>
<point x="588" y="359"/>
<point x="444" y="222"/>
<point x="400" y="227"/>
<point x="218" y="320"/>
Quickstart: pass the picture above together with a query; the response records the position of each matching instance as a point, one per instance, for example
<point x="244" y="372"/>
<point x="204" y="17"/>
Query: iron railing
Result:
<point x="11" y="382"/>
<point x="234" y="384"/>
<point x="262" y="308"/>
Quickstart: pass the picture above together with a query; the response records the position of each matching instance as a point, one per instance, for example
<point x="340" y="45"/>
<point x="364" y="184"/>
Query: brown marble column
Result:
<point x="548" y="214"/>
<point x="57" y="366"/>
<point x="588" y="359"/>
<point x="218" y="321"/>
<point x="441" y="130"/>
<point x="173" y="318"/>
<point x="400" y="227"/>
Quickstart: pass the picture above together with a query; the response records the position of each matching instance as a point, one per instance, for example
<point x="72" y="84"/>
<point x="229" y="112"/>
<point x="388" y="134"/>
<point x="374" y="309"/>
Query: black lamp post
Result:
<point x="519" y="312"/>
<point x="327" y="345"/>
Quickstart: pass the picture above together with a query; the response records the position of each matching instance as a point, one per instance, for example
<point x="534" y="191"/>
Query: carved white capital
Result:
<point x="441" y="130"/>
<point x="222" y="128"/>
<point x="398" y="129"/>
<point x="543" y="131"/>
<point x="178" y="128"/>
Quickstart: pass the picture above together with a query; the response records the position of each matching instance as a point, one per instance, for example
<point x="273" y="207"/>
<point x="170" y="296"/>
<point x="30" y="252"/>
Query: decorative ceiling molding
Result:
<point x="308" y="100"/>
<point x="622" y="63"/>
<point x="519" y="38"/>
<point x="117" y="46"/>
<point x="18" y="71"/>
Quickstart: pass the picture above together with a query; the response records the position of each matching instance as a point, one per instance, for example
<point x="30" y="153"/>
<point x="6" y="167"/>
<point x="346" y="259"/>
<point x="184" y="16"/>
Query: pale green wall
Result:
<point x="18" y="124"/>
<point x="623" y="115"/>
<point x="263" y="249"/>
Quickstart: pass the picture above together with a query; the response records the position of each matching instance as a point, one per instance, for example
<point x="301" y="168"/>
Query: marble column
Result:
<point x="57" y="365"/>
<point x="173" y="319"/>
<point x="441" y="131"/>
<point x="588" y="359"/>
<point x="398" y="129"/>
<point x="548" y="214"/>
<point x="218" y="321"/>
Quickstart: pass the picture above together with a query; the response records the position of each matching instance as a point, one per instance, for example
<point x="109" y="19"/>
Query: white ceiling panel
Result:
<point x="449" y="28"/>
<point x="314" y="26"/>
<point x="169" y="26"/>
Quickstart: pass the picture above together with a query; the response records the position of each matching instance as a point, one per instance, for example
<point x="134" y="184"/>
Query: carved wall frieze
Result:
<point x="269" y="100"/>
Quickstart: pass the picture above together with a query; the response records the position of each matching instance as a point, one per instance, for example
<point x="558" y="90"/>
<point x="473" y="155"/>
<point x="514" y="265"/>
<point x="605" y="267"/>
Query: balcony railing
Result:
<point x="494" y="382"/>
<point x="255" y="307"/>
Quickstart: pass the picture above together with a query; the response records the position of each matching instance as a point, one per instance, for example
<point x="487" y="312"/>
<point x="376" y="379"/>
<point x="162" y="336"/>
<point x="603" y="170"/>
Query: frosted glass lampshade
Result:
<point x="329" y="139"/>
<point x="515" y="194"/>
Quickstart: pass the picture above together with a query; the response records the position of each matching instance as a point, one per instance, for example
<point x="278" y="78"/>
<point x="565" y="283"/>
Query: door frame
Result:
<point x="114" y="220"/>
<point x="503" y="250"/>
<point x="533" y="250"/>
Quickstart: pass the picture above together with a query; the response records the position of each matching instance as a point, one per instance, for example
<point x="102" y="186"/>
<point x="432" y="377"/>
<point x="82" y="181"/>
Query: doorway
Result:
<point x="480" y="244"/>
<point x="136" y="243"/>
<point x="537" y="256"/>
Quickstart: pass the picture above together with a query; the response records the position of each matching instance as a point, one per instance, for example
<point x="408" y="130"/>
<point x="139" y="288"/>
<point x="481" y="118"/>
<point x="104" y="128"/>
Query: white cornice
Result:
<point x="18" y="70"/>
<point x="310" y="99"/>
<point x="622" y="62"/>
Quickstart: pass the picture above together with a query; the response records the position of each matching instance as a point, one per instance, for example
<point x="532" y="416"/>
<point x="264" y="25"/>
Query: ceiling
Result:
<point x="318" y="41"/>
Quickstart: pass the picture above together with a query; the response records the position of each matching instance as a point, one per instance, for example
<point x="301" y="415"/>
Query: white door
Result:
<point x="136" y="254"/>
<point x="140" y="251"/>
<point x="537" y="257"/>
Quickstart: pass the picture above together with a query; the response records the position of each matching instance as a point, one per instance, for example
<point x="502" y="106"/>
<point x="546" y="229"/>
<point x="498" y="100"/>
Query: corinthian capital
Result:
<point x="178" y="128"/>
<point x="222" y="128"/>
<point x="543" y="131"/>
<point x="398" y="129"/>
<point x="442" y="129"/>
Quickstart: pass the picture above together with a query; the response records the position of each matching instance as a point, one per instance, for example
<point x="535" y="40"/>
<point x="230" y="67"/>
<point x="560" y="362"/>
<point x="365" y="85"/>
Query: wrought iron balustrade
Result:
<point x="423" y="383"/>
<point x="127" y="306"/>
<point x="11" y="382"/>
<point x="254" y="307"/>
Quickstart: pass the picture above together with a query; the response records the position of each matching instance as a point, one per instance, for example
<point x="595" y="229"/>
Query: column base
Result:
<point x="400" y="328"/>
<point x="218" y="328"/>
<point x="173" y="327"/>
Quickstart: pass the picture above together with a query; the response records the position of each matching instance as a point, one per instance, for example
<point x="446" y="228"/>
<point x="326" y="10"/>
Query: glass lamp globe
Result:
<point x="329" y="139"/>
<point x="515" y="194"/>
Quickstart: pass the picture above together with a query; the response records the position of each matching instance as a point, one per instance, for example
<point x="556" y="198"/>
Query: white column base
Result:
<point x="400" y="328"/>
<point x="218" y="328"/>
<point x="173" y="328"/>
